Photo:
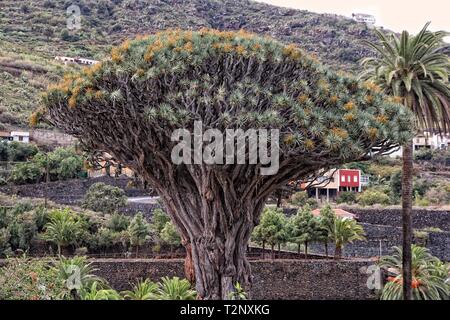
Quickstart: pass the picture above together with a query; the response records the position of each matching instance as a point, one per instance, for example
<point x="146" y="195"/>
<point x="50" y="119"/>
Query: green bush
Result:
<point x="139" y="231"/>
<point x="370" y="197"/>
<point x="118" y="222"/>
<point x="30" y="279"/>
<point x="104" y="198"/>
<point x="158" y="221"/>
<point x="299" y="198"/>
<point x="19" y="151"/>
<point x="28" y="172"/>
<point x="169" y="235"/>
<point x="346" y="197"/>
<point x="5" y="247"/>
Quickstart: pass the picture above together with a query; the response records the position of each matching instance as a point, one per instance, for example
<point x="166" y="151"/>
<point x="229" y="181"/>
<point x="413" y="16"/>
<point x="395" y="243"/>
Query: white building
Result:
<point x="76" y="60"/>
<point x="20" y="136"/>
<point x="427" y="140"/>
<point x="364" y="18"/>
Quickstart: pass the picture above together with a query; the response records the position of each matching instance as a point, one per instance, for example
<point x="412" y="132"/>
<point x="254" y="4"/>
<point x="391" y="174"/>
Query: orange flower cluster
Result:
<point x="373" y="133"/>
<point x="309" y="144"/>
<point x="302" y="98"/>
<point x="382" y="119"/>
<point x="349" y="106"/>
<point x="349" y="117"/>
<point x="341" y="133"/>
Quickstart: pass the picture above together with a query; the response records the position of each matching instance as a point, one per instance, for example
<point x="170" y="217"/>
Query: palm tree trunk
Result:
<point x="326" y="249"/>
<point x="407" y="185"/>
<point x="337" y="252"/>
<point x="306" y="249"/>
<point x="59" y="250"/>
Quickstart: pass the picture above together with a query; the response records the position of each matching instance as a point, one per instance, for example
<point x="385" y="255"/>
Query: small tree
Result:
<point x="272" y="227"/>
<point x="343" y="231"/>
<point x="303" y="228"/>
<point x="158" y="221"/>
<point x="326" y="221"/>
<point x="118" y="222"/>
<point x="104" y="198"/>
<point x="139" y="231"/>
<point x="63" y="229"/>
<point x="170" y="236"/>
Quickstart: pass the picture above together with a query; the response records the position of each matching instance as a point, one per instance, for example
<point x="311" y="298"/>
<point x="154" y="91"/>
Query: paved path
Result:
<point x="148" y="200"/>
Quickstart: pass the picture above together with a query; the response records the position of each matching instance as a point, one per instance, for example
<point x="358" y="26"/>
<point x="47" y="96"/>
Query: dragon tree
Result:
<point x="130" y="104"/>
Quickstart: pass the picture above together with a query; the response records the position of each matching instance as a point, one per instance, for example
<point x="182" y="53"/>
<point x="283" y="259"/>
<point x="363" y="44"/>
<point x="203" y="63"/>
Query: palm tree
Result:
<point x="175" y="289"/>
<point x="343" y="231"/>
<point x="414" y="70"/>
<point x="429" y="276"/>
<point x="143" y="290"/>
<point x="63" y="229"/>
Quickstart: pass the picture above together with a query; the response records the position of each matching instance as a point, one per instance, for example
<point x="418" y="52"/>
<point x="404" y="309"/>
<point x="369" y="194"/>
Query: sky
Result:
<point x="396" y="15"/>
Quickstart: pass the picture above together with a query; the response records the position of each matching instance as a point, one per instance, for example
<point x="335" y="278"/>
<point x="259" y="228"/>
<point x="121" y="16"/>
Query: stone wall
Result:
<point x="70" y="191"/>
<point x="47" y="137"/>
<point x="277" y="279"/>
<point x="421" y="218"/>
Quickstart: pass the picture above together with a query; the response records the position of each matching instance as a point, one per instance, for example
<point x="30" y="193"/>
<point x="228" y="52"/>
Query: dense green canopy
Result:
<point x="228" y="80"/>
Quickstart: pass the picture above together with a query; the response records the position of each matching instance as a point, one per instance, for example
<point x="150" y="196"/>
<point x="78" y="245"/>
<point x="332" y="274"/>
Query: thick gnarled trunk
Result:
<point x="216" y="226"/>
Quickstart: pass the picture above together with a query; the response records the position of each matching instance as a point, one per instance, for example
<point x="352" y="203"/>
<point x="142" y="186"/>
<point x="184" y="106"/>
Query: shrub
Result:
<point x="30" y="279"/>
<point x="19" y="151"/>
<point x="118" y="222"/>
<point x="104" y="198"/>
<point x="97" y="292"/>
<point x="346" y="197"/>
<point x="370" y="197"/>
<point x="169" y="235"/>
<point x="438" y="195"/>
<point x="22" y="230"/>
<point x="143" y="290"/>
<point x="299" y="198"/>
<point x="139" y="231"/>
<point x="5" y="247"/>
<point x="27" y="172"/>
<point x="175" y="289"/>
<point x="158" y="221"/>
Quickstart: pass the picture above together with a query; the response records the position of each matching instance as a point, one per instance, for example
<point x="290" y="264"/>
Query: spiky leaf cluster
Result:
<point x="154" y="84"/>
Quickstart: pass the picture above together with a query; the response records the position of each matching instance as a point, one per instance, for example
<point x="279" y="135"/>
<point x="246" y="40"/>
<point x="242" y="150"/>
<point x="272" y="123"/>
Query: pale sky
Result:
<point x="396" y="15"/>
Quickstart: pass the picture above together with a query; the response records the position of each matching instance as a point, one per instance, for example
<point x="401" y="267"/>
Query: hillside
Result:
<point x="32" y="33"/>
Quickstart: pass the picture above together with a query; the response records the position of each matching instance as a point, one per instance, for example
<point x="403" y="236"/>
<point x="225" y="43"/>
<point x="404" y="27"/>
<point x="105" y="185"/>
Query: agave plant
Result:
<point x="94" y="293"/>
<point x="430" y="277"/>
<point x="76" y="273"/>
<point x="143" y="290"/>
<point x="175" y="289"/>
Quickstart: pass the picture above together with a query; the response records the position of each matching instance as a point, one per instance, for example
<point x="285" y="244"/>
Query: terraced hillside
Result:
<point x="32" y="33"/>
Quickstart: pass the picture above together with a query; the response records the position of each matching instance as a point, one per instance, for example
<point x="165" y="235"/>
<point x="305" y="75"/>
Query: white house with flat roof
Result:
<point x="20" y="136"/>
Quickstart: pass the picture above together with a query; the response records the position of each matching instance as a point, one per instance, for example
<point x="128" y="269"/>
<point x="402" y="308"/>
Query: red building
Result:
<point x="349" y="180"/>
